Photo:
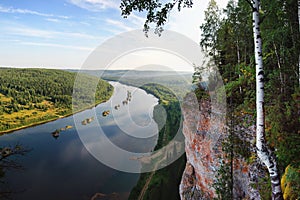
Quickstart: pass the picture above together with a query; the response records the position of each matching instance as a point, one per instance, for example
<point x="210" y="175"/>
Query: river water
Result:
<point x="63" y="168"/>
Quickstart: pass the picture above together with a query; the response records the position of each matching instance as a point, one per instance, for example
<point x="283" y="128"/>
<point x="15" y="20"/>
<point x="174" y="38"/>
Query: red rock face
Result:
<point x="202" y="148"/>
<point x="204" y="132"/>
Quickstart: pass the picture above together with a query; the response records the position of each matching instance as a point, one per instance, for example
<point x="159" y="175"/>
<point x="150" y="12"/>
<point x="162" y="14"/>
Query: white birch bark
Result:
<point x="263" y="151"/>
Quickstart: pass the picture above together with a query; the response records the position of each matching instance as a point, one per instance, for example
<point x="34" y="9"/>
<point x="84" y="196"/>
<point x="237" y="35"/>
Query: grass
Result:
<point x="33" y="96"/>
<point x="31" y="117"/>
<point x="4" y="99"/>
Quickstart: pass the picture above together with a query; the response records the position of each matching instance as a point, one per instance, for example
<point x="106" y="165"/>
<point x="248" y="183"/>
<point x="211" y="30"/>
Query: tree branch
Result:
<point x="156" y="12"/>
<point x="250" y="3"/>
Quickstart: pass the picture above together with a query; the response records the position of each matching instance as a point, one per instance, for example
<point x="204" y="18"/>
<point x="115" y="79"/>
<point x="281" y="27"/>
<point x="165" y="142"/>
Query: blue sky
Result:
<point x="62" y="33"/>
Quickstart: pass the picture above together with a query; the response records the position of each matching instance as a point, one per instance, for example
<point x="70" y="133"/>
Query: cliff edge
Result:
<point x="204" y="129"/>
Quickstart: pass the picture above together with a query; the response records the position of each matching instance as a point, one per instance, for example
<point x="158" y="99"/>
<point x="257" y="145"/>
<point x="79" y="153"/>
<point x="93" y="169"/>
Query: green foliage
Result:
<point x="201" y="93"/>
<point x="264" y="187"/>
<point x="223" y="184"/>
<point x="201" y="87"/>
<point x="290" y="183"/>
<point x="283" y="130"/>
<point x="177" y="83"/>
<point x="209" y="29"/>
<point x="161" y="92"/>
<point x="29" y="96"/>
<point x="164" y="182"/>
<point x="233" y="55"/>
<point x="234" y="147"/>
<point x="156" y="11"/>
<point x="229" y="41"/>
<point x="172" y="123"/>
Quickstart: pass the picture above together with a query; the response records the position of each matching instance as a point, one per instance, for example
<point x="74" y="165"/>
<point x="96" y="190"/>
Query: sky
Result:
<point x="63" y="33"/>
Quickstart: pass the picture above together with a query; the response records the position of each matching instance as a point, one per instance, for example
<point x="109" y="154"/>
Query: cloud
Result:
<point x="81" y="48"/>
<point x="26" y="31"/>
<point x="139" y="21"/>
<point x="85" y="23"/>
<point x="96" y="5"/>
<point x="119" y="25"/>
<point x="31" y="12"/>
<point x="52" y="20"/>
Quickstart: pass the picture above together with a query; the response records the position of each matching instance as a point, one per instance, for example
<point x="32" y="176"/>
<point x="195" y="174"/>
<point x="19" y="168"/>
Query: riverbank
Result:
<point x="52" y="119"/>
<point x="163" y="183"/>
<point x="63" y="148"/>
<point x="30" y="97"/>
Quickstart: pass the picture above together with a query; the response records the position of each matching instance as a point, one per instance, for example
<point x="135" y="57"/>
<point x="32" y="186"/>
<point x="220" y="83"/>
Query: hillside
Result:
<point x="162" y="183"/>
<point x="33" y="96"/>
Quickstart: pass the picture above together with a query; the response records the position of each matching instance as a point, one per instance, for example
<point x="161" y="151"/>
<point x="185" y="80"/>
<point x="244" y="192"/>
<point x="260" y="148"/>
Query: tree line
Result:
<point x="226" y="39"/>
<point x="39" y="90"/>
<point x="255" y="45"/>
<point x="166" y="180"/>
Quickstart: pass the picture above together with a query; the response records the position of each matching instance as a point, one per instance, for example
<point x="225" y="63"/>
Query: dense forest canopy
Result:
<point x="228" y="42"/>
<point x="232" y="54"/>
<point x="33" y="95"/>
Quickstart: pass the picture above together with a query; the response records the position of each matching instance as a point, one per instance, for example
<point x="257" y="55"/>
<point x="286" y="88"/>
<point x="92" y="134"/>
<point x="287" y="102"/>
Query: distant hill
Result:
<point x="178" y="82"/>
<point x="132" y="73"/>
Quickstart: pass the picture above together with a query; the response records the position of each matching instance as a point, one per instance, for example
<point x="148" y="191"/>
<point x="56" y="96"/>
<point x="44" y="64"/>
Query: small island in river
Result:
<point x="24" y="104"/>
<point x="56" y="133"/>
<point x="105" y="113"/>
<point x="87" y="121"/>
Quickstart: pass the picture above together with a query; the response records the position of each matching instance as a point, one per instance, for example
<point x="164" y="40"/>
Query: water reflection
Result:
<point x="127" y="132"/>
<point x="8" y="161"/>
<point x="62" y="168"/>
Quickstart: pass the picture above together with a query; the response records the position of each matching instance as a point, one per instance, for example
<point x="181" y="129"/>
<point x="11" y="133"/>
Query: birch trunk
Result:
<point x="263" y="151"/>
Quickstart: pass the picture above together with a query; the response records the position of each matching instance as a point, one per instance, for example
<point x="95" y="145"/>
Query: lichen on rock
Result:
<point x="205" y="130"/>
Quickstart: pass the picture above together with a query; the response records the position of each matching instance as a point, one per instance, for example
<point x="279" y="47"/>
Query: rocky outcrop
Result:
<point x="204" y="131"/>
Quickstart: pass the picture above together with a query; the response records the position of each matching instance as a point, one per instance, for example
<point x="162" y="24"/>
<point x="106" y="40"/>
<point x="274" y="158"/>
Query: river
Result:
<point x="63" y="168"/>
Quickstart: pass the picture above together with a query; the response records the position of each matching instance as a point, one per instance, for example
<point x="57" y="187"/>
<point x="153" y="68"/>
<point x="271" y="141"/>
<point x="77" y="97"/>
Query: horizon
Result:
<point x="142" y="70"/>
<point x="63" y="33"/>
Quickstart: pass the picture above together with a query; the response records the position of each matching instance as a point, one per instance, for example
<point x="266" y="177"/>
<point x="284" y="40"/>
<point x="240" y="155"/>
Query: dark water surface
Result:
<point x="62" y="168"/>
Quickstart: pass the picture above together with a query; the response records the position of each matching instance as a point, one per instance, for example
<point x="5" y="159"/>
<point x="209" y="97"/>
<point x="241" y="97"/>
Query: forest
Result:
<point x="255" y="45"/>
<point x="237" y="39"/>
<point x="163" y="183"/>
<point x="42" y="87"/>
<point x="179" y="83"/>
<point x="226" y="39"/>
<point x="31" y="96"/>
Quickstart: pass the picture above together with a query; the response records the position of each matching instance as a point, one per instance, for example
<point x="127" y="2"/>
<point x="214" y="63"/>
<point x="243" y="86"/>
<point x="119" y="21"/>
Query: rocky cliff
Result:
<point x="204" y="131"/>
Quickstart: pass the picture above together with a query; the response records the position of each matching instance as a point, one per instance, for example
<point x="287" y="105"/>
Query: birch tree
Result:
<point x="157" y="13"/>
<point x="263" y="152"/>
